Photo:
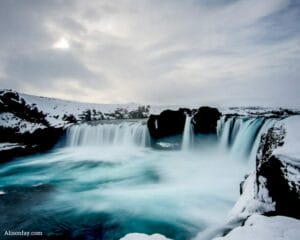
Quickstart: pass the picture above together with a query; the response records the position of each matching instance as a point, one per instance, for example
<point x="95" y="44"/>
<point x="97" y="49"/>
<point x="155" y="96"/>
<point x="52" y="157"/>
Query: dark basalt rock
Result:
<point x="30" y="143"/>
<point x="11" y="102"/>
<point x="42" y="139"/>
<point x="205" y="120"/>
<point x="167" y="123"/>
<point x="283" y="191"/>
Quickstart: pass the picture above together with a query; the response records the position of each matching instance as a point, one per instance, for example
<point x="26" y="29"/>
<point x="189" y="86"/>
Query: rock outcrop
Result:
<point x="167" y="123"/>
<point x="205" y="120"/>
<point x="281" y="173"/>
<point x="24" y="130"/>
<point x="170" y="122"/>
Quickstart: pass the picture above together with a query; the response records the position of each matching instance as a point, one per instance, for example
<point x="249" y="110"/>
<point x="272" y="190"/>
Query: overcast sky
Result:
<point x="219" y="52"/>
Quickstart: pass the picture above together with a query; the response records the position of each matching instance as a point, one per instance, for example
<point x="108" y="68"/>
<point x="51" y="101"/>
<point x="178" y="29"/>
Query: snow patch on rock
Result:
<point x="9" y="120"/>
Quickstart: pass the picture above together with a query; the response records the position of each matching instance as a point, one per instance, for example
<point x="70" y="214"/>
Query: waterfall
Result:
<point x="118" y="134"/>
<point x="241" y="134"/>
<point x="188" y="134"/>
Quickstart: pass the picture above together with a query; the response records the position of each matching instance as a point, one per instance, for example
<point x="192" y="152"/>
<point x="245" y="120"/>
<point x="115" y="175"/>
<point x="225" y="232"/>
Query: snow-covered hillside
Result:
<point x="59" y="111"/>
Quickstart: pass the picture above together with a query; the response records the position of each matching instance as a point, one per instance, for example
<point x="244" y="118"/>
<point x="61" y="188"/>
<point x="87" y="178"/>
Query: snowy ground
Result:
<point x="256" y="227"/>
<point x="259" y="227"/>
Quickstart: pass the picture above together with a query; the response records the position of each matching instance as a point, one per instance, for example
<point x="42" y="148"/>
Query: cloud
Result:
<point x="222" y="52"/>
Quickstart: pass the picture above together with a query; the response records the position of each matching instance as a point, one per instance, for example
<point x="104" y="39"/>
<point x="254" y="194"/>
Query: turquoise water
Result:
<point x="107" y="191"/>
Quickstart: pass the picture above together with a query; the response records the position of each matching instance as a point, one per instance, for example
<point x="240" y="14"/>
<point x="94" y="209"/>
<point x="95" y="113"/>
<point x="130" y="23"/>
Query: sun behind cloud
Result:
<point x="62" y="44"/>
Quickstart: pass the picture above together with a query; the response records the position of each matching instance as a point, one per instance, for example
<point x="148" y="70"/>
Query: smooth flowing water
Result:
<point x="188" y="134"/>
<point x="107" y="181"/>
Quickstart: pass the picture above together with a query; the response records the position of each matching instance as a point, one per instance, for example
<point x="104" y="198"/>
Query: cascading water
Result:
<point x="107" y="182"/>
<point x="118" y="134"/>
<point x="188" y="134"/>
<point x="241" y="135"/>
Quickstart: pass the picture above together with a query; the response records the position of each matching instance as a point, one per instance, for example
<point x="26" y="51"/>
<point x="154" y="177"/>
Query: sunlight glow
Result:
<point x="62" y="44"/>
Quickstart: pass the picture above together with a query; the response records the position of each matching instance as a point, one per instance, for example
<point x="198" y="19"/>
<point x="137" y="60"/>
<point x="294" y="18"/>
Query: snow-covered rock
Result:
<point x="24" y="129"/>
<point x="260" y="227"/>
<point x="273" y="188"/>
<point x="290" y="150"/>
<point x="142" y="236"/>
<point x="278" y="162"/>
<point x="249" y="203"/>
<point x="9" y="120"/>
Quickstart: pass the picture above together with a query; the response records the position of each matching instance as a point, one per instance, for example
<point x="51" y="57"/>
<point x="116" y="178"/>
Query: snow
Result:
<point x="290" y="151"/>
<point x="250" y="203"/>
<point x="58" y="107"/>
<point x="142" y="236"/>
<point x="9" y="120"/>
<point x="8" y="146"/>
<point x="256" y="227"/>
<point x="260" y="227"/>
<point x="265" y="111"/>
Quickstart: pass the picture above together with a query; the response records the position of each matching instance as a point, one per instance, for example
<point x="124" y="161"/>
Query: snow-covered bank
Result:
<point x="256" y="227"/>
<point x="260" y="227"/>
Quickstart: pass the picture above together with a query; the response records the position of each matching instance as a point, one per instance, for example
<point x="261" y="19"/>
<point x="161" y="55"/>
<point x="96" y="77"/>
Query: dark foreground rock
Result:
<point x="205" y="120"/>
<point x="28" y="143"/>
